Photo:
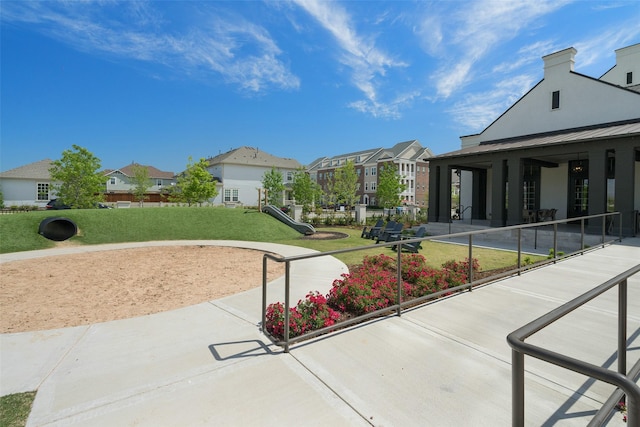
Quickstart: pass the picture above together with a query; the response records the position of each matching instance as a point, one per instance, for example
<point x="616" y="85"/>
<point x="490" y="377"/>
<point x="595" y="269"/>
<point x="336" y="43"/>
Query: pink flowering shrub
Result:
<point x="309" y="314"/>
<point x="370" y="286"/>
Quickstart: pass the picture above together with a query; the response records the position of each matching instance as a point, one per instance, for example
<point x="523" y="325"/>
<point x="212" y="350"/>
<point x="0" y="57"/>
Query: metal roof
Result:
<point x="590" y="133"/>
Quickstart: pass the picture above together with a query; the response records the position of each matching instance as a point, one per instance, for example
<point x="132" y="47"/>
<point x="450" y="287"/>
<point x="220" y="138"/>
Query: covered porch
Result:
<point x="543" y="177"/>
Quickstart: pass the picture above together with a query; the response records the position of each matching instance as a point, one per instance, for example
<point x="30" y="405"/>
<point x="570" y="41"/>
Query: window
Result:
<point x="629" y="78"/>
<point x="373" y="186"/>
<point x="366" y="186"/>
<point x="230" y="194"/>
<point x="373" y="170"/>
<point x="43" y="191"/>
<point x="555" y="100"/>
<point x="289" y="176"/>
<point x="112" y="181"/>
<point x="159" y="182"/>
<point x="366" y="171"/>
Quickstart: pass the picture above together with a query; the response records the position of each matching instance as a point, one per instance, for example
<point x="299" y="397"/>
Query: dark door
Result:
<point x="578" y="188"/>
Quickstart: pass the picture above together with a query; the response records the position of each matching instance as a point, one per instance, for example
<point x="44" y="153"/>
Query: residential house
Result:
<point x="571" y="144"/>
<point x="31" y="184"/>
<point x="120" y="183"/>
<point x="28" y="185"/>
<point x="410" y="159"/>
<point x="240" y="172"/>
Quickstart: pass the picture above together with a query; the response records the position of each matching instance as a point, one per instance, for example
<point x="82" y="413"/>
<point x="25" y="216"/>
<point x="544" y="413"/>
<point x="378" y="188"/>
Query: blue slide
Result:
<point x="300" y="227"/>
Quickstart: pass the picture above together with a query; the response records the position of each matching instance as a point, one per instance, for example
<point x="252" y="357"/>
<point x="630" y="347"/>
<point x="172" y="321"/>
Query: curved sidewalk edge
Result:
<point x="81" y="372"/>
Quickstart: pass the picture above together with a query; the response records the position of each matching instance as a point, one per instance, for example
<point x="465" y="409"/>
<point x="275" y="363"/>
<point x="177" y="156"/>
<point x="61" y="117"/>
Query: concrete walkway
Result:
<point x="444" y="364"/>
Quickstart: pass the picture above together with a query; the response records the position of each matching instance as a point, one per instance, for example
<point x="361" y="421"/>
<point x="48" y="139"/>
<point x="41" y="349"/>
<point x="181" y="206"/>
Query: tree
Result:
<point x="195" y="184"/>
<point x="345" y="185"/>
<point x="141" y="182"/>
<point x="305" y="191"/>
<point x="389" y="186"/>
<point x="272" y="183"/>
<point x="76" y="179"/>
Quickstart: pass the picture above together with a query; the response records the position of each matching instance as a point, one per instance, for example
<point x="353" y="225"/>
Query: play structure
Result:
<point x="57" y="228"/>
<point x="300" y="227"/>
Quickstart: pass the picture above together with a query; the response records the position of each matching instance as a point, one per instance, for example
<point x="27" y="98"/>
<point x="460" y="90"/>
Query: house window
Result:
<point x="555" y="100"/>
<point x="373" y="171"/>
<point x="366" y="171"/>
<point x="159" y="183"/>
<point x="366" y="186"/>
<point x="629" y="78"/>
<point x="230" y="194"/>
<point x="289" y="176"/>
<point x="373" y="186"/>
<point x="43" y="191"/>
<point x="112" y="181"/>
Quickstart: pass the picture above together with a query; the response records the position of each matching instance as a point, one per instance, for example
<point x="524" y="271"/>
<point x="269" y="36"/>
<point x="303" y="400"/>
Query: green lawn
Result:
<point x="19" y="232"/>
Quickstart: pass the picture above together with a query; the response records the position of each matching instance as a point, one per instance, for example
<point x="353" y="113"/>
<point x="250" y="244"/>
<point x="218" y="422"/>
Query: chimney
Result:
<point x="562" y="61"/>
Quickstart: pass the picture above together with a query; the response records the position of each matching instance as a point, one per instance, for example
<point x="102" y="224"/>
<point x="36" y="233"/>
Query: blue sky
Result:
<point x="156" y="82"/>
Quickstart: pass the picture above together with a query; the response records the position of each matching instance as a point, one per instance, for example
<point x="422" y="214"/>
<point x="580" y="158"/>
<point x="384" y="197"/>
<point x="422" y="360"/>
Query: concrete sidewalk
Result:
<point x="444" y="364"/>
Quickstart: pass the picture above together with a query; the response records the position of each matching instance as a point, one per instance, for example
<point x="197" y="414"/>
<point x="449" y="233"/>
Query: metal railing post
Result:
<point x="582" y="236"/>
<point x="470" y="261"/>
<point x="517" y="388"/>
<point x="555" y="242"/>
<point x="263" y="325"/>
<point x="399" y="278"/>
<point x="519" y="250"/>
<point x="622" y="327"/>
<point x="286" y="306"/>
<point x="604" y="229"/>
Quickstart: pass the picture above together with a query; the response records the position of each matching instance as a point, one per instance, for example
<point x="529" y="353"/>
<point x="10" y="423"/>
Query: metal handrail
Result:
<point x="399" y="305"/>
<point x="621" y="378"/>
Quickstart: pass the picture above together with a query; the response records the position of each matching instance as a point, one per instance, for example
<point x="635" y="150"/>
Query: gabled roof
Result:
<point x="35" y="170"/>
<point x="249" y="156"/>
<point x="129" y="171"/>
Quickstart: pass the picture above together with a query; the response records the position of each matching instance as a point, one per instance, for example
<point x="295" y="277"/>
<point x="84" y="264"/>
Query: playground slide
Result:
<point x="300" y="227"/>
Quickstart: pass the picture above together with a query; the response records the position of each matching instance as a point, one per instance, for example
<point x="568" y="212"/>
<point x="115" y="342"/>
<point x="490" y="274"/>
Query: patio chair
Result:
<point x="389" y="235"/>
<point x="366" y="233"/>
<point x="375" y="233"/>
<point x="415" y="246"/>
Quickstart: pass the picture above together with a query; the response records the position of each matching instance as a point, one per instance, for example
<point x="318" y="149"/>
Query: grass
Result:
<point x="19" y="232"/>
<point x="15" y="408"/>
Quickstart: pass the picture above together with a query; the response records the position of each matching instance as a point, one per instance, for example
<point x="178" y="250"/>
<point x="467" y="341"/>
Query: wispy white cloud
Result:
<point x="367" y="62"/>
<point x="605" y="42"/>
<point x="241" y="52"/>
<point x="474" y="32"/>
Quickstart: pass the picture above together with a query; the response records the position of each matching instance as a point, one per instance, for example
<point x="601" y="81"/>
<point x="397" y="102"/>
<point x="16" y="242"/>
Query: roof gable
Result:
<point x="35" y="170"/>
<point x="153" y="172"/>
<point x="249" y="156"/>
<point x="583" y="101"/>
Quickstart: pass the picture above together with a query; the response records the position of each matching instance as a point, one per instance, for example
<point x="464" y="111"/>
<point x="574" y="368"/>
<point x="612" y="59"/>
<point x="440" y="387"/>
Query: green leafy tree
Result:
<point x="76" y="178"/>
<point x="195" y="184"/>
<point x="272" y="183"/>
<point x="345" y="184"/>
<point x="141" y="182"/>
<point x="1" y="199"/>
<point x="305" y="190"/>
<point x="389" y="186"/>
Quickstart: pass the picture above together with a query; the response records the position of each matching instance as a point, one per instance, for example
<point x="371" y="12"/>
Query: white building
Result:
<point x="240" y="173"/>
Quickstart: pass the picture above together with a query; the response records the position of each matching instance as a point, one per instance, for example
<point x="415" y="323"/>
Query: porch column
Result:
<point x="625" y="186"/>
<point x="515" y="194"/>
<point x="479" y="195"/>
<point x="444" y="214"/>
<point x="597" y="181"/>
<point x="434" y="193"/>
<point x="498" y="190"/>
